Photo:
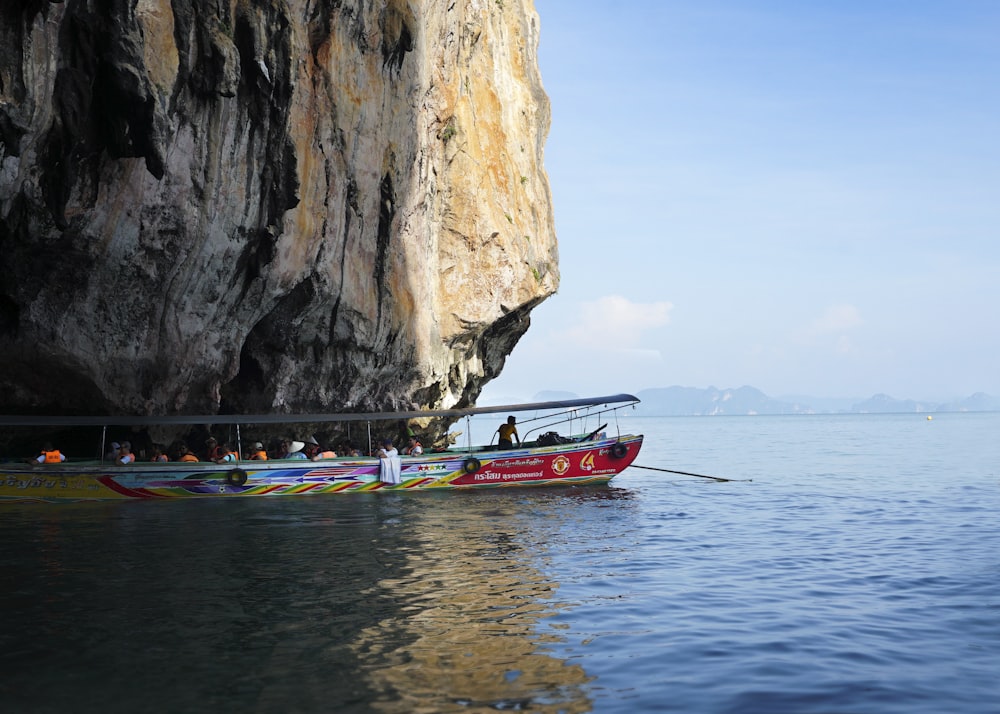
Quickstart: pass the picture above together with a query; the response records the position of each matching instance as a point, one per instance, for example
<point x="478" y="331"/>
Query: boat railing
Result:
<point x="548" y="415"/>
<point x="571" y="416"/>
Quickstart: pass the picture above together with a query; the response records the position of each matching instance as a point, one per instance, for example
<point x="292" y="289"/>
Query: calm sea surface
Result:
<point x="855" y="567"/>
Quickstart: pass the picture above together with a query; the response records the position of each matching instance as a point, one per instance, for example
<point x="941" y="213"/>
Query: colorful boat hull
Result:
<point x="573" y="464"/>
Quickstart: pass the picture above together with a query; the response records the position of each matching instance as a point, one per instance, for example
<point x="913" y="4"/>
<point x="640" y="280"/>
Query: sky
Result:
<point x="801" y="197"/>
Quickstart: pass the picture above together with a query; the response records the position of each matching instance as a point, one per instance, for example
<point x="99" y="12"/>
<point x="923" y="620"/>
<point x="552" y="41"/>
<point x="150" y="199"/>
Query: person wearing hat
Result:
<point x="113" y="453"/>
<point x="387" y="450"/>
<point x="311" y="447"/>
<point x="294" y="450"/>
<point x="258" y="453"/>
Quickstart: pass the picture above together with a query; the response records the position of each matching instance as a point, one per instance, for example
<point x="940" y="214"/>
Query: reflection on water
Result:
<point x="389" y="603"/>
<point x="856" y="572"/>
<point x="467" y="598"/>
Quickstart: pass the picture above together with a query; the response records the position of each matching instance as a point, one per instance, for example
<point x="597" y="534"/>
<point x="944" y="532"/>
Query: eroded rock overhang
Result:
<point x="265" y="206"/>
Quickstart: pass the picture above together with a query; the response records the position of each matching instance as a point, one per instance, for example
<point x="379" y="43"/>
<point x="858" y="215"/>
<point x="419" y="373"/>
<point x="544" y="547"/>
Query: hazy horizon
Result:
<point x="492" y="396"/>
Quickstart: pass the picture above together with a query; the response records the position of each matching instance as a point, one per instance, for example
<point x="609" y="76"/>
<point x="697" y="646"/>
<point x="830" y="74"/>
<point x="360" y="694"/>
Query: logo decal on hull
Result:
<point x="560" y="465"/>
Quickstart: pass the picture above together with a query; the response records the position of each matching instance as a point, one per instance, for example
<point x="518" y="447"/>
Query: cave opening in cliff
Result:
<point x="397" y="37"/>
<point x="386" y="212"/>
<point x="10" y="316"/>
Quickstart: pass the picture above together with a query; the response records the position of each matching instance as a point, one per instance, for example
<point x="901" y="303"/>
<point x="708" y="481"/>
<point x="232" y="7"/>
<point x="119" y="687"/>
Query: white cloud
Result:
<point x="614" y="322"/>
<point x="836" y="319"/>
<point x="844" y="345"/>
<point x="831" y="332"/>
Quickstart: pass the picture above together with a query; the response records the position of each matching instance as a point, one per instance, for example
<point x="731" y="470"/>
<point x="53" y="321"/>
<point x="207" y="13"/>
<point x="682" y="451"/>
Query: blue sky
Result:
<point x="803" y="197"/>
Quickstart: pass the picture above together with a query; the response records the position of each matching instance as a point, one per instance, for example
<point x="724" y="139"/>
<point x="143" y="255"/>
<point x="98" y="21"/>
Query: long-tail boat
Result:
<point x="565" y="443"/>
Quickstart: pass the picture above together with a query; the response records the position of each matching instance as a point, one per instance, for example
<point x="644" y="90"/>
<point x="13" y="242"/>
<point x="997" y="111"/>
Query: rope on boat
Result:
<point x="688" y="473"/>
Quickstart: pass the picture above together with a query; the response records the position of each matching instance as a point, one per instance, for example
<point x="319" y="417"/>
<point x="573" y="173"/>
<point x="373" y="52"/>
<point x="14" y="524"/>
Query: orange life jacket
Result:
<point x="52" y="457"/>
<point x="259" y="455"/>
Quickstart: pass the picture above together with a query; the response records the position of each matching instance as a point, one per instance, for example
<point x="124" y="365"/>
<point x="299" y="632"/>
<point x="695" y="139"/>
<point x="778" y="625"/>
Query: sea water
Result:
<point x="851" y="564"/>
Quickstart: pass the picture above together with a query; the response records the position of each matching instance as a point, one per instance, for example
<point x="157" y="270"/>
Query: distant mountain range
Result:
<point x="692" y="401"/>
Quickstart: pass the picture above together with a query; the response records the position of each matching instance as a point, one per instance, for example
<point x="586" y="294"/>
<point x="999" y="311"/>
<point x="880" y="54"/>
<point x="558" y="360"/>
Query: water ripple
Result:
<point x="858" y="572"/>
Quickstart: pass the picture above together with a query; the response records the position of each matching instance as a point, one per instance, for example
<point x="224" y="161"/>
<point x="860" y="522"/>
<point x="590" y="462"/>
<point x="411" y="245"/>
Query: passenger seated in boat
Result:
<point x="321" y="454"/>
<point x="185" y="454"/>
<point x="125" y="455"/>
<point x="413" y="448"/>
<point x="158" y="454"/>
<point x="213" y="452"/>
<point x="226" y="455"/>
<point x="293" y="450"/>
<point x="506" y="432"/>
<point x="349" y="449"/>
<point x="311" y="447"/>
<point x="49" y="455"/>
<point x="258" y="453"/>
<point x="113" y="452"/>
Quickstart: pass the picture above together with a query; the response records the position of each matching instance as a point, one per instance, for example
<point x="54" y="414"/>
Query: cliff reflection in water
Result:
<point x="470" y="594"/>
<point x="390" y="603"/>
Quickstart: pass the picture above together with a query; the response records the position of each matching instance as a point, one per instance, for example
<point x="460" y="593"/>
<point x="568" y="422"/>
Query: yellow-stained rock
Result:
<point x="266" y="205"/>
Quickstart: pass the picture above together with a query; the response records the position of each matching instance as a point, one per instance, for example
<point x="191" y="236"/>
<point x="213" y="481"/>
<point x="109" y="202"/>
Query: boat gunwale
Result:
<point x="90" y="466"/>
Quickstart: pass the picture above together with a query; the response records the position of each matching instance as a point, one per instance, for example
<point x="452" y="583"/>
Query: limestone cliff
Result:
<point x="267" y="205"/>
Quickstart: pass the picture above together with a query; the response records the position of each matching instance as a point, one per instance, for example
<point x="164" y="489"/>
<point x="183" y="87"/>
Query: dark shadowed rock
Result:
<point x="266" y="206"/>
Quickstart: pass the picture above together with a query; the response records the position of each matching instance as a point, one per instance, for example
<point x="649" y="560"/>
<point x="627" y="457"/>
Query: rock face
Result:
<point x="267" y="205"/>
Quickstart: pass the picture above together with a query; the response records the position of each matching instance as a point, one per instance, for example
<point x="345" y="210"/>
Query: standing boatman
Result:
<point x="506" y="431"/>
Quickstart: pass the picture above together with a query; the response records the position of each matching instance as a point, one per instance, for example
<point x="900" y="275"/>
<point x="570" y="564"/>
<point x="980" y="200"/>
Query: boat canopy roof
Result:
<point x="620" y="400"/>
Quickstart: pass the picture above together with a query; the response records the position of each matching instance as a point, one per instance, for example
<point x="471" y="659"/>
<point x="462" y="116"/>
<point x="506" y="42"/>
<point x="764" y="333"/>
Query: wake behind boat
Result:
<point x="586" y="454"/>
